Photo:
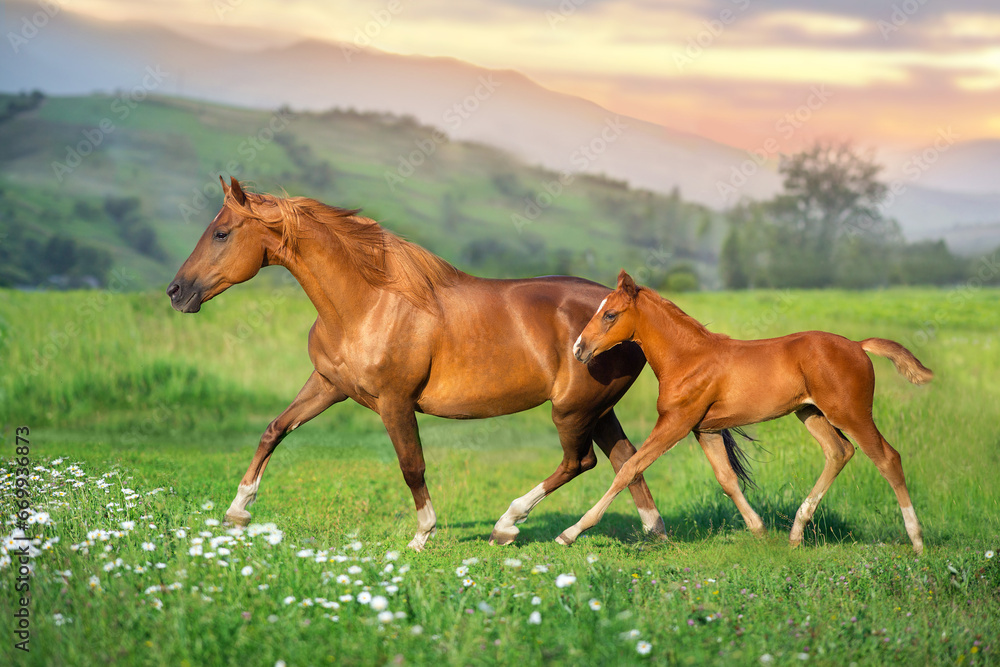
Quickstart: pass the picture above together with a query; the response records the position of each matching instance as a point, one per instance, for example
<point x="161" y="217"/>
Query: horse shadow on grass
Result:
<point x="699" y="522"/>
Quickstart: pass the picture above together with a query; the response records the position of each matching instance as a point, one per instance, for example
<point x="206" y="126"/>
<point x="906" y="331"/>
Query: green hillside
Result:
<point x="97" y="188"/>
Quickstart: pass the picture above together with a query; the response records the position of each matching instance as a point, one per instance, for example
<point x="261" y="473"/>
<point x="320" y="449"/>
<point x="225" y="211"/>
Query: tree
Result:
<point x="825" y="228"/>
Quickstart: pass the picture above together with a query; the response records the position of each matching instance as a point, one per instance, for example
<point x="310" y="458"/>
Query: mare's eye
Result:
<point x="610" y="316"/>
<point x="221" y="236"/>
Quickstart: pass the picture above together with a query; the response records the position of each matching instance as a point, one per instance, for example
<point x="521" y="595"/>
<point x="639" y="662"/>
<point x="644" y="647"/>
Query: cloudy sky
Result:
<point x="883" y="72"/>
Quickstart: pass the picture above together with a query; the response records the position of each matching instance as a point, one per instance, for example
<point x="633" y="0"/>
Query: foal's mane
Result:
<point x="673" y="311"/>
<point x="383" y="259"/>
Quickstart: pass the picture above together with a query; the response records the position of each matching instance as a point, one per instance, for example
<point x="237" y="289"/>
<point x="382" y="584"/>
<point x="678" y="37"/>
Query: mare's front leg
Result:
<point x="669" y="429"/>
<point x="401" y="425"/>
<point x="316" y="396"/>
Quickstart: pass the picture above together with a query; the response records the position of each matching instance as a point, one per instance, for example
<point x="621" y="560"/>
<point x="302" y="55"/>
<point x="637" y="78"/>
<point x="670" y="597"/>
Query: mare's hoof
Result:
<point x="500" y="538"/>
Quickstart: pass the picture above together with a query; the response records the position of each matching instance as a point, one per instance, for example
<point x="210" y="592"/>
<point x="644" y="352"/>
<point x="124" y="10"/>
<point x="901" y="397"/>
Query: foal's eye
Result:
<point x="610" y="316"/>
<point x="221" y="236"/>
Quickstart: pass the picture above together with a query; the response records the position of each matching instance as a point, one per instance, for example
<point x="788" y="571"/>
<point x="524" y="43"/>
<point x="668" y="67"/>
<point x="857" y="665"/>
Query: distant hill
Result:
<point x="74" y="55"/>
<point x="133" y="185"/>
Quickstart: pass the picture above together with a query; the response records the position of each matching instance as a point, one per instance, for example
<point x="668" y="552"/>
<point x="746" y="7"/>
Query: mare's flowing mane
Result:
<point x="383" y="259"/>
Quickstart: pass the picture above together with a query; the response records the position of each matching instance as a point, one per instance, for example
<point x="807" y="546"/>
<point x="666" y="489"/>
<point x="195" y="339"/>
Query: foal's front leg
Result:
<point x="668" y="432"/>
<point x="315" y="396"/>
<point x="401" y="425"/>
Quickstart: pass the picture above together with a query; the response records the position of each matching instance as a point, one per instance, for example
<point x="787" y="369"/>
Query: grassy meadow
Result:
<point x="142" y="422"/>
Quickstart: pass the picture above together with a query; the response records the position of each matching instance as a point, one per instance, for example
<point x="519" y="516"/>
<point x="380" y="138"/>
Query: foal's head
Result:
<point x="613" y="323"/>
<point x="232" y="250"/>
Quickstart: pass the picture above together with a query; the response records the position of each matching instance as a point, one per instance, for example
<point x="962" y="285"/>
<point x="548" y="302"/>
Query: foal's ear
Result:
<point x="627" y="285"/>
<point x="225" y="188"/>
<point x="237" y="191"/>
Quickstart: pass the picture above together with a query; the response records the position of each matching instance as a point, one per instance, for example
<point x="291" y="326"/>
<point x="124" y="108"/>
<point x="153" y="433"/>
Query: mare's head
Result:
<point x="613" y="323"/>
<point x="232" y="250"/>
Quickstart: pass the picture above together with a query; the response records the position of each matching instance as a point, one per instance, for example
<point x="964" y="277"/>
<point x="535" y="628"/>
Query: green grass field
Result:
<point x="141" y="415"/>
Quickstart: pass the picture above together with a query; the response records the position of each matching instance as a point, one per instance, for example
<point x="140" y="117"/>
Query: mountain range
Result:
<point x="75" y="55"/>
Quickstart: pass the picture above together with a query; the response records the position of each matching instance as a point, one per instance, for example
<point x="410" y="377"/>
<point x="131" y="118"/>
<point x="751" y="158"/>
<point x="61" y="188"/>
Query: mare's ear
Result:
<point x="225" y="188"/>
<point x="627" y="285"/>
<point x="238" y="195"/>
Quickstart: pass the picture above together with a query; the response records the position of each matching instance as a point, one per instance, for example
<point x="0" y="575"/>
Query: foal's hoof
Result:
<point x="565" y="540"/>
<point x="238" y="517"/>
<point x="501" y="538"/>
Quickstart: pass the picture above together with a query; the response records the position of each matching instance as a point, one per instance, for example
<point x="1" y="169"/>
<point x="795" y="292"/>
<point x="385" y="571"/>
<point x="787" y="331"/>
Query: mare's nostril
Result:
<point x="173" y="289"/>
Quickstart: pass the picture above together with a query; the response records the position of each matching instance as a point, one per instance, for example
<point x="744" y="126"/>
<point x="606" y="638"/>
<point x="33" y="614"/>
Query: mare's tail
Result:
<point x="907" y="364"/>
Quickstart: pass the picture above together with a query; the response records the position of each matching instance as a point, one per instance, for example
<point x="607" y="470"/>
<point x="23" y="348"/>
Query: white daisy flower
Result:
<point x="643" y="648"/>
<point x="564" y="580"/>
<point x="246" y="571"/>
<point x="535" y="618"/>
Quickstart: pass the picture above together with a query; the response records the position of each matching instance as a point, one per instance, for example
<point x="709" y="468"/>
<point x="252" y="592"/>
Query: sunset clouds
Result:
<point x="728" y="69"/>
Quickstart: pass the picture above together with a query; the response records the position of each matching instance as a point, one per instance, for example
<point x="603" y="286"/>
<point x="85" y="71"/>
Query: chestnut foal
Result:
<point x="709" y="382"/>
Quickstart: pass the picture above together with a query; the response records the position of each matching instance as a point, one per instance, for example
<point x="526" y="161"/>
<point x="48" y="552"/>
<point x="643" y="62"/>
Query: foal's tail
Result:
<point x="907" y="364"/>
<point x="738" y="458"/>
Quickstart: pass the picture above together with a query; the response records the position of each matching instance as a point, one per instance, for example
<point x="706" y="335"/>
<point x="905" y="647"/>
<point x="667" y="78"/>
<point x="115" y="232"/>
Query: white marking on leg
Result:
<point x="518" y="512"/>
<point x="913" y="528"/>
<point x="651" y="520"/>
<point x="245" y="495"/>
<point x="802" y="517"/>
<point x="426" y="521"/>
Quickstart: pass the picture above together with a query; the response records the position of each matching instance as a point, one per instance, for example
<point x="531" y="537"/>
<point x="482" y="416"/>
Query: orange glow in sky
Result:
<point x="730" y="70"/>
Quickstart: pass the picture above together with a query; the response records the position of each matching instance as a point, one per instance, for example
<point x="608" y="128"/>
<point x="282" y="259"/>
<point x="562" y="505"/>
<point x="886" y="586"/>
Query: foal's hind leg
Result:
<point x="315" y="397"/>
<point x="575" y="435"/>
<point x="887" y="460"/>
<point x="715" y="449"/>
<point x="611" y="438"/>
<point x="837" y="450"/>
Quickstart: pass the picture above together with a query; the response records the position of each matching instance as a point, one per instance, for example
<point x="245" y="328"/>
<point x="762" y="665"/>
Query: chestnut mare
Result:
<point x="710" y="382"/>
<point x="400" y="331"/>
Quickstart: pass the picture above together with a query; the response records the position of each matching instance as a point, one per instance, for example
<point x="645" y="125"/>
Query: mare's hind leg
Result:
<point x="837" y="450"/>
<point x="611" y="438"/>
<point x="315" y="396"/>
<point x="887" y="460"/>
<point x="575" y="435"/>
<point x="715" y="449"/>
